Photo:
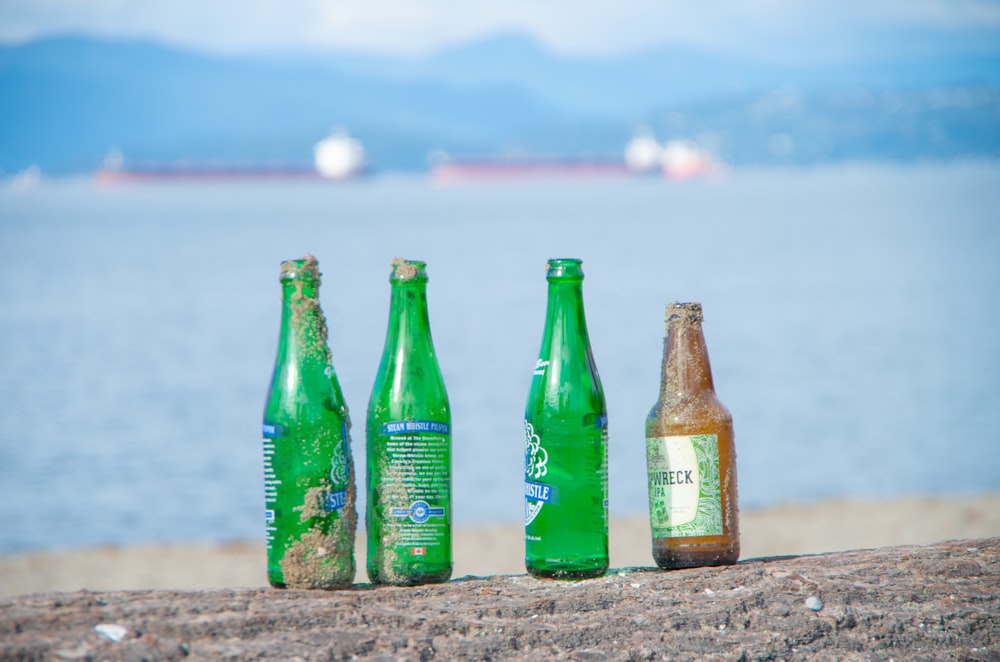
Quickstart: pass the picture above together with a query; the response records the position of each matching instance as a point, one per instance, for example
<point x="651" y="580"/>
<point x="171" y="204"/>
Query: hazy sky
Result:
<point x="763" y="28"/>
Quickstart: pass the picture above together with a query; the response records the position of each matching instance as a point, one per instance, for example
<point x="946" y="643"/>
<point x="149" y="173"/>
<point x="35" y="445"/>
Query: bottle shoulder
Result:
<point x="401" y="393"/>
<point x="305" y="395"/>
<point x="409" y="384"/>
<point x="692" y="413"/>
<point x="566" y="390"/>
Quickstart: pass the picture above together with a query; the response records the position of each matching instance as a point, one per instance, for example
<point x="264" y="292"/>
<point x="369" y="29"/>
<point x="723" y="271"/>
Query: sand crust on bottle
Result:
<point x="308" y="320"/>
<point x="324" y="561"/>
<point x="305" y="267"/>
<point x="403" y="269"/>
<point x="314" y="561"/>
<point x="678" y="404"/>
<point x="312" y="505"/>
<point x="690" y="312"/>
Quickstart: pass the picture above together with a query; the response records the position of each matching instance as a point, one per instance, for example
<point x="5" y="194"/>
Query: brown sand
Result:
<point x="498" y="549"/>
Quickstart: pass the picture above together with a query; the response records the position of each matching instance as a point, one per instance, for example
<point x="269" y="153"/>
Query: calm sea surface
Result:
<point x="851" y="313"/>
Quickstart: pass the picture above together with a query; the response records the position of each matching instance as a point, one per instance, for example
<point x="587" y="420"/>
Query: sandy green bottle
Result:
<point x="308" y="469"/>
<point x="566" y="430"/>
<point x="409" y="445"/>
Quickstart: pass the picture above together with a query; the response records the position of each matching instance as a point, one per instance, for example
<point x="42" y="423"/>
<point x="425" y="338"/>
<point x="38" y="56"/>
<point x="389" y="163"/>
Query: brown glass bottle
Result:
<point x="690" y="456"/>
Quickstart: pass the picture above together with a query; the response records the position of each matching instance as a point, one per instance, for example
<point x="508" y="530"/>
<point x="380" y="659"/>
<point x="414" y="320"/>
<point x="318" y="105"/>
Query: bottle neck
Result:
<point x="686" y="367"/>
<point x="303" y="325"/>
<point x="565" y="321"/>
<point x="409" y="322"/>
<point x="566" y="384"/>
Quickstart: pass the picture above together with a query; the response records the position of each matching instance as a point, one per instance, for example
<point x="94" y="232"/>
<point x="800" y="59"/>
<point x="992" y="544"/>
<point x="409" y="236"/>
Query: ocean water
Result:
<point x="851" y="314"/>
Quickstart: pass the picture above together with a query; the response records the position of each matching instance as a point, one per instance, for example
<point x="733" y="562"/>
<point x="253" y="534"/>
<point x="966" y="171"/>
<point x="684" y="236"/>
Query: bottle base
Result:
<point x="566" y="570"/>
<point x="321" y="586"/>
<point x="403" y="578"/>
<point x="694" y="556"/>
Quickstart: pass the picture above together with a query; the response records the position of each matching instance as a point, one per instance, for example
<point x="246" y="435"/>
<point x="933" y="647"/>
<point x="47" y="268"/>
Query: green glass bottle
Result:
<point x="409" y="445"/>
<point x="566" y="429"/>
<point x="308" y="469"/>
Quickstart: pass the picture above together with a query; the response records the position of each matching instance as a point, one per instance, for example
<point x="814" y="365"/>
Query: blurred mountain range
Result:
<point x="69" y="100"/>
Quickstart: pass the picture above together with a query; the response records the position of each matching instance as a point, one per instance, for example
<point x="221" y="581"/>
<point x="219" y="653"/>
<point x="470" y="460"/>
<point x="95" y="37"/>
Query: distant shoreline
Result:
<point x="498" y="548"/>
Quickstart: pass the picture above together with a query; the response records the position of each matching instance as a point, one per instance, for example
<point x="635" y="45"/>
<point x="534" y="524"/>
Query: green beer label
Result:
<point x="414" y="486"/>
<point x="684" y="489"/>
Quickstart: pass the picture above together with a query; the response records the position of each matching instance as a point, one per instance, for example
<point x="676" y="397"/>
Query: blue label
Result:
<point x="418" y="512"/>
<point x="402" y="427"/>
<point x="272" y="430"/>
<point x="541" y="492"/>
<point x="336" y="500"/>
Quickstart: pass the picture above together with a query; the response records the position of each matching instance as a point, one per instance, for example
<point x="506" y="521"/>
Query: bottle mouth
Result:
<point x="408" y="271"/>
<point x="684" y="312"/>
<point x="306" y="269"/>
<point x="565" y="268"/>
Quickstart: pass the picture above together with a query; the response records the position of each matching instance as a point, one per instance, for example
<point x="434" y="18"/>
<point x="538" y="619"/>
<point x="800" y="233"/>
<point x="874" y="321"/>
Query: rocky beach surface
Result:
<point x="921" y="582"/>
<point x="927" y="602"/>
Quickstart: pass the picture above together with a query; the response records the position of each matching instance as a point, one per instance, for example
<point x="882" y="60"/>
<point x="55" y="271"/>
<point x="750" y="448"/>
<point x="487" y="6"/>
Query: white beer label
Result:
<point x="684" y="488"/>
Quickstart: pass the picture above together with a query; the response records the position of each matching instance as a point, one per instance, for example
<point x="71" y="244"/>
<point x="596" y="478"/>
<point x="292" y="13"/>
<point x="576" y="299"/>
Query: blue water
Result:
<point x="851" y="314"/>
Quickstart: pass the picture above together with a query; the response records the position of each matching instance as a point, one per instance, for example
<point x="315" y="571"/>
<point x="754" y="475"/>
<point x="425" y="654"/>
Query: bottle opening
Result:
<point x="306" y="268"/>
<point x="684" y="312"/>
<point x="567" y="268"/>
<point x="408" y="270"/>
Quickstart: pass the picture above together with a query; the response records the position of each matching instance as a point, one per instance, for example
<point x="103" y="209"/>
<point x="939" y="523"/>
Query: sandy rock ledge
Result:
<point x="928" y="602"/>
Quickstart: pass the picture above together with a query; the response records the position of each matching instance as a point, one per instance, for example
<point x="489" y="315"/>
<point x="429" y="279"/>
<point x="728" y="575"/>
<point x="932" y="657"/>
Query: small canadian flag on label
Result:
<point x="418" y="551"/>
